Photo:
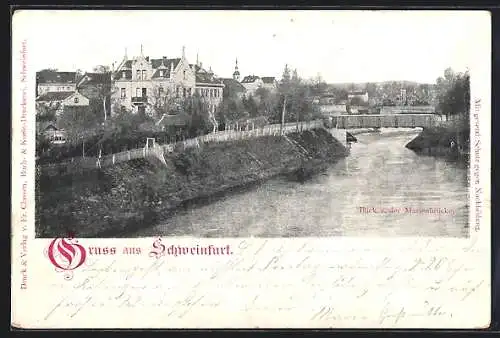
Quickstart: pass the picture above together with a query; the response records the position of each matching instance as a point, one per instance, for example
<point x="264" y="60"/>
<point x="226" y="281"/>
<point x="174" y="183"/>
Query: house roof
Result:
<point x="54" y="96"/>
<point x="166" y="73"/>
<point x="233" y="85"/>
<point x="163" y="63"/>
<point x="250" y="79"/>
<point x="48" y="76"/>
<point x="268" y="79"/>
<point x="127" y="64"/>
<point x="46" y="125"/>
<point x="155" y="63"/>
<point x="181" y="119"/>
<point x="95" y="79"/>
<point x="207" y="78"/>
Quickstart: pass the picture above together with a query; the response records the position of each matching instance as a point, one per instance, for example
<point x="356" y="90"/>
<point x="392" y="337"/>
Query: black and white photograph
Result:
<point x="209" y="168"/>
<point x="218" y="124"/>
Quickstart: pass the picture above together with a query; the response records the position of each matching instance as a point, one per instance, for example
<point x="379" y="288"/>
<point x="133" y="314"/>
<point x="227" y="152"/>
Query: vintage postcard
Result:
<point x="251" y="169"/>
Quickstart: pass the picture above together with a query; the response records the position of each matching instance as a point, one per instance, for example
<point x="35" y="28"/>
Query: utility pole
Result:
<point x="283" y="115"/>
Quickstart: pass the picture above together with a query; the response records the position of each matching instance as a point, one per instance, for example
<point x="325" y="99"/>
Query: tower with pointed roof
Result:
<point x="236" y="74"/>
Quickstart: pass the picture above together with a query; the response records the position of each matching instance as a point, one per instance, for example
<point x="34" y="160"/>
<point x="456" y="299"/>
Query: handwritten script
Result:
<point x="319" y="287"/>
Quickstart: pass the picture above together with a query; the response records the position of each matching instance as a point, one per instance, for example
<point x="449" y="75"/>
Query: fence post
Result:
<point x="144" y="152"/>
<point x="129" y="155"/>
<point x="113" y="158"/>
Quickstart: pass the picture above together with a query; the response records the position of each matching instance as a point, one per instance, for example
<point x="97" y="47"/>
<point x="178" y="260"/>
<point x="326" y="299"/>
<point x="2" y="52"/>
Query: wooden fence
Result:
<point x="220" y="136"/>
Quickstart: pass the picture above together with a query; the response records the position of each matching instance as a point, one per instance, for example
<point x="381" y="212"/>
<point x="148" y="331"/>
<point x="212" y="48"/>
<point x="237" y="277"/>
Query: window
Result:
<point x="184" y="74"/>
<point x="183" y="92"/>
<point x="75" y="100"/>
<point x="161" y="72"/>
<point x="144" y="75"/>
<point x="160" y="90"/>
<point x="124" y="74"/>
<point x="138" y="92"/>
<point x="177" y="91"/>
<point x="189" y="91"/>
<point x="144" y="92"/>
<point x="123" y="93"/>
<point x="138" y="74"/>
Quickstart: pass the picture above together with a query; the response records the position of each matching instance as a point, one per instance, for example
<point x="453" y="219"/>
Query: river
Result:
<point x="380" y="189"/>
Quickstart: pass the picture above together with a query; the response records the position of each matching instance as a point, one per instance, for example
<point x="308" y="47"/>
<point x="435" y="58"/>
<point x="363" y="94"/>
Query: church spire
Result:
<point x="236" y="74"/>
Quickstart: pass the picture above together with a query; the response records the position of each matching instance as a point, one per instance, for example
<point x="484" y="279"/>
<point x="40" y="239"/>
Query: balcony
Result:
<point x="139" y="99"/>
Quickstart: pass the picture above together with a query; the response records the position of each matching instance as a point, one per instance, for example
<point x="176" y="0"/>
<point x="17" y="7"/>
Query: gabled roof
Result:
<point x="207" y="78"/>
<point x="198" y="69"/>
<point x="95" y="79"/>
<point x="166" y="73"/>
<point x="54" y="96"/>
<point x="155" y="63"/>
<point x="268" y="79"/>
<point x="127" y="64"/>
<point x="163" y="63"/>
<point x="46" y="125"/>
<point x="250" y="79"/>
<point x="118" y="74"/>
<point x="47" y="76"/>
<point x="233" y="85"/>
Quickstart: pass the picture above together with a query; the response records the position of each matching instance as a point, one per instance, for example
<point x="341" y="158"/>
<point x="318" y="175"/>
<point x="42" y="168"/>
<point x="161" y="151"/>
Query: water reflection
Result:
<point x="380" y="173"/>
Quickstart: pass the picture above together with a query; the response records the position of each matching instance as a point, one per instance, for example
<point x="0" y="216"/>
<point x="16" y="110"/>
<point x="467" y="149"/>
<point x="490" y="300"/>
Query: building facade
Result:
<point x="59" y="100"/>
<point x="54" y="81"/>
<point x="142" y="84"/>
<point x="252" y="83"/>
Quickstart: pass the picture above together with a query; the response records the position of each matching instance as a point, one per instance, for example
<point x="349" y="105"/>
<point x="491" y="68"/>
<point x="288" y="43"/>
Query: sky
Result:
<point x="341" y="46"/>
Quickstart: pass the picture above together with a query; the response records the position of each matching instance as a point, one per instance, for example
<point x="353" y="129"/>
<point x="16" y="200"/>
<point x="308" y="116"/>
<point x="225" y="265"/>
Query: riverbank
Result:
<point x="451" y="142"/>
<point x="116" y="200"/>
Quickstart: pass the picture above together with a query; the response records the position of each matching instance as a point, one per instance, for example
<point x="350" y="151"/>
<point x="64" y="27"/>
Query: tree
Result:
<point x="47" y="112"/>
<point x="80" y="122"/>
<point x="357" y="101"/>
<point x="371" y="89"/>
<point x="200" y="117"/>
<point x="101" y="69"/>
<point x="296" y="93"/>
<point x="250" y="105"/>
<point x="231" y="109"/>
<point x="163" y="103"/>
<point x="267" y="102"/>
<point x="318" y="86"/>
<point x="454" y="93"/>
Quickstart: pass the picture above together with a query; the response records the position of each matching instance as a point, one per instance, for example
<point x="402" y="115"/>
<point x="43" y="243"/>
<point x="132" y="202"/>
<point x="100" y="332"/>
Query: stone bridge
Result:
<point x="384" y="121"/>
